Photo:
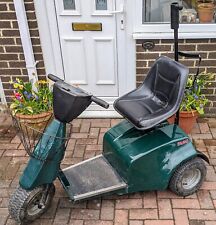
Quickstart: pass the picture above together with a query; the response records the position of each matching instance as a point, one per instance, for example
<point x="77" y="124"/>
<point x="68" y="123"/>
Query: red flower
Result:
<point x="18" y="96"/>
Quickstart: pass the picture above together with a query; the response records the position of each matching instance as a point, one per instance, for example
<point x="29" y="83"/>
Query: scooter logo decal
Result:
<point x="180" y="143"/>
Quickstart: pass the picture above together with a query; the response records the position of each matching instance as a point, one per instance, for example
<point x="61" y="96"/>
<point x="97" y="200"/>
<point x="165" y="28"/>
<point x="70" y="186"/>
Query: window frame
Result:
<point x="163" y="30"/>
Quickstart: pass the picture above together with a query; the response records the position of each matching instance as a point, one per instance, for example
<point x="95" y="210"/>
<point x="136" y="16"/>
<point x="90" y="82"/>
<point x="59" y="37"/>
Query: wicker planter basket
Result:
<point x="38" y="122"/>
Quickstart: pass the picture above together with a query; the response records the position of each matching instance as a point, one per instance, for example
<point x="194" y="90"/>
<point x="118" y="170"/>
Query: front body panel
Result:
<point x="51" y="147"/>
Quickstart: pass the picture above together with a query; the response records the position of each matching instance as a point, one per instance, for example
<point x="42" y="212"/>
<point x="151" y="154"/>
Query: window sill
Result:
<point x="169" y="35"/>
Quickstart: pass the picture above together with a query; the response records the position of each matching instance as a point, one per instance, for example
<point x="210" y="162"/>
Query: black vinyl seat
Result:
<point x="158" y="98"/>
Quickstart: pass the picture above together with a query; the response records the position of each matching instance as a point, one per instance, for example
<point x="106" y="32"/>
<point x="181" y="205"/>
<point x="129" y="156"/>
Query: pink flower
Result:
<point x="18" y="96"/>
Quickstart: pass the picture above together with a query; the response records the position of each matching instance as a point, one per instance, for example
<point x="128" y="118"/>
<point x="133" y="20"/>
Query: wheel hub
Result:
<point x="191" y="178"/>
<point x="34" y="205"/>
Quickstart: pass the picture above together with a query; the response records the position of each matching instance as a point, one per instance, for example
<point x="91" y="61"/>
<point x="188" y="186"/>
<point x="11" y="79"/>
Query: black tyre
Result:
<point x="24" y="205"/>
<point x="188" y="177"/>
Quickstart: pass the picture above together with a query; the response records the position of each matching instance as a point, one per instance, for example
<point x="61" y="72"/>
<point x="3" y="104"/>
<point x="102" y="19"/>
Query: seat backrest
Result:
<point x="166" y="80"/>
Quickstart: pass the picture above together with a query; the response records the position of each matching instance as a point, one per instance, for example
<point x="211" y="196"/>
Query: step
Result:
<point x="92" y="177"/>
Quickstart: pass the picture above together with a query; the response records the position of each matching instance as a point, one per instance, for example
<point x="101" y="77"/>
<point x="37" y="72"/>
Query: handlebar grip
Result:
<point x="54" y="78"/>
<point x="100" y="102"/>
<point x="175" y="15"/>
<point x="190" y="55"/>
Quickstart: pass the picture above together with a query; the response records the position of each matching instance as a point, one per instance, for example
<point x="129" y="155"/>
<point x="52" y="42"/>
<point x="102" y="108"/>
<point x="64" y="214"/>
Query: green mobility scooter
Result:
<point x="141" y="153"/>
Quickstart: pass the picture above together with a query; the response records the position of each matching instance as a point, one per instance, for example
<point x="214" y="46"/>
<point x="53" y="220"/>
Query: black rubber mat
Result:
<point x="92" y="177"/>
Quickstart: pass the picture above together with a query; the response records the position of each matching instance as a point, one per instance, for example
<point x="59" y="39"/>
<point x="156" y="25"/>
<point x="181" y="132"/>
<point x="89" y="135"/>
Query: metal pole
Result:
<point x="175" y="26"/>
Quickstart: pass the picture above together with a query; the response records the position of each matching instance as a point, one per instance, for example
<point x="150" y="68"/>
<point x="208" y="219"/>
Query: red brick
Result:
<point x="3" y="7"/>
<point x="201" y="214"/>
<point x="159" y="222"/>
<point x="85" y="127"/>
<point x="201" y="136"/>
<point x="83" y="141"/>
<point x="142" y="214"/>
<point x="94" y="148"/>
<point x="101" y="123"/>
<point x="205" y="199"/>
<point x="5" y="24"/>
<point x="204" y="128"/>
<point x="8" y="56"/>
<point x="87" y="214"/>
<point x="165" y="210"/>
<point x="94" y="132"/>
<point x="209" y="222"/>
<point x="209" y="186"/>
<point x="76" y="222"/>
<point x="62" y="216"/>
<point x="107" y="210"/>
<point x="9" y="146"/>
<point x="121" y="217"/>
<point x="79" y="135"/>
<point x="167" y="194"/>
<point x="185" y="203"/>
<point x="149" y="200"/>
<point x="11" y="33"/>
<point x="129" y="203"/>
<point x="79" y="150"/>
<point x="99" y="222"/>
<point x="181" y="217"/>
<point x="7" y="16"/>
<point x="135" y="222"/>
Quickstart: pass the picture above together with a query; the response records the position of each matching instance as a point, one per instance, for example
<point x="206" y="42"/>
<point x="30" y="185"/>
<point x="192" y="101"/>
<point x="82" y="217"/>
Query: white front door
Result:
<point x="90" y="55"/>
<point x="101" y="62"/>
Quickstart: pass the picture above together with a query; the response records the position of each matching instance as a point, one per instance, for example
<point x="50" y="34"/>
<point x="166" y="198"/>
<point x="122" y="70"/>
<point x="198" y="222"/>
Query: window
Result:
<point x="69" y="4"/>
<point x="158" y="11"/>
<point x="101" y="4"/>
<point x="152" y="19"/>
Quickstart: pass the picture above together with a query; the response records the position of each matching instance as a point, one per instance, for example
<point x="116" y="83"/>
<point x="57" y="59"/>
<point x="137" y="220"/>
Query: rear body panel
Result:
<point x="146" y="159"/>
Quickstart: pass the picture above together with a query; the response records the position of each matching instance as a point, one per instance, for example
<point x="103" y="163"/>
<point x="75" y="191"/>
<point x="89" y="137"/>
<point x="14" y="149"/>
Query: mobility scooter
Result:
<point x="142" y="153"/>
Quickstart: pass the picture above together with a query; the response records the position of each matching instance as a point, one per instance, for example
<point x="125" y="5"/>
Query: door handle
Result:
<point x="121" y="10"/>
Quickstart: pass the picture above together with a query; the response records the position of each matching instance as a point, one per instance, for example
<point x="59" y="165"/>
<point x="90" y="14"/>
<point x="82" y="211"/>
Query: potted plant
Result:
<point x="32" y="105"/>
<point x="206" y="10"/>
<point x="193" y="101"/>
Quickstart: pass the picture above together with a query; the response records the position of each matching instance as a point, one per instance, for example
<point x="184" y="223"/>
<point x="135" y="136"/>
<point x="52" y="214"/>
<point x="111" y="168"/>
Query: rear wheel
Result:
<point x="25" y="206"/>
<point x="188" y="177"/>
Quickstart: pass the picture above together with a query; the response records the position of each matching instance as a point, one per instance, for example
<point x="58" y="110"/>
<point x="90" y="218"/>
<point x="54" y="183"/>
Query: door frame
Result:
<point x="50" y="43"/>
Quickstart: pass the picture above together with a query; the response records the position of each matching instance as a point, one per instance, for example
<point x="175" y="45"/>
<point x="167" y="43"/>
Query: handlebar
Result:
<point x="100" y="102"/>
<point x="175" y="8"/>
<point x="54" y="78"/>
<point x="96" y="100"/>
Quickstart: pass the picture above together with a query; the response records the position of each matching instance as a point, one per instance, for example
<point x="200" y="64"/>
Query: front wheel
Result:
<point x="25" y="206"/>
<point x="188" y="177"/>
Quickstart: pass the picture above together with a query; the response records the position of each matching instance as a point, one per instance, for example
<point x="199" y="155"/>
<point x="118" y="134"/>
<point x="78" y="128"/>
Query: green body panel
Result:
<point x="51" y="149"/>
<point x="146" y="159"/>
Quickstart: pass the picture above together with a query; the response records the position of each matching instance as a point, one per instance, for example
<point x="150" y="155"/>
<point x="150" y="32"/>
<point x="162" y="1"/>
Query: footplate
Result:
<point x="92" y="177"/>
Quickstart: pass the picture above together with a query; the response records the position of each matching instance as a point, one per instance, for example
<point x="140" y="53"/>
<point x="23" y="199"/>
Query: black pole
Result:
<point x="175" y="26"/>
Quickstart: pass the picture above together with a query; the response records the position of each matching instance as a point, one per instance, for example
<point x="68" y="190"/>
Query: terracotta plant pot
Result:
<point x="36" y="122"/>
<point x="206" y="12"/>
<point x="186" y="120"/>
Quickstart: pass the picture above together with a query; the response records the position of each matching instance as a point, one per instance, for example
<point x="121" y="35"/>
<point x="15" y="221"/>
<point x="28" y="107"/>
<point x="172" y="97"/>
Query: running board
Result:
<point x="91" y="178"/>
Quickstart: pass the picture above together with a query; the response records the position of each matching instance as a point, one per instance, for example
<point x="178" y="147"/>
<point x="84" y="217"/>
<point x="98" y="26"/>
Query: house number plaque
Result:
<point x="87" y="26"/>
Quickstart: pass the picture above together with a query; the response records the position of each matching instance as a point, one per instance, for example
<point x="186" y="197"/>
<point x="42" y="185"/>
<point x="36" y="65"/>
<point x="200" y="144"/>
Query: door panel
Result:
<point x="105" y="68"/>
<point x="89" y="57"/>
<point x="74" y="53"/>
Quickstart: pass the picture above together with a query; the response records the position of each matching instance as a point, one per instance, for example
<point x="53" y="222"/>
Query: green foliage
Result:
<point x="27" y="101"/>
<point x="194" y="99"/>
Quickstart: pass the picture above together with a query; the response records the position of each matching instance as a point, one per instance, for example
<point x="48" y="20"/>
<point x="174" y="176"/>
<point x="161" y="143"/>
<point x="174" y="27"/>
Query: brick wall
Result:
<point x="206" y="47"/>
<point x="12" y="63"/>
